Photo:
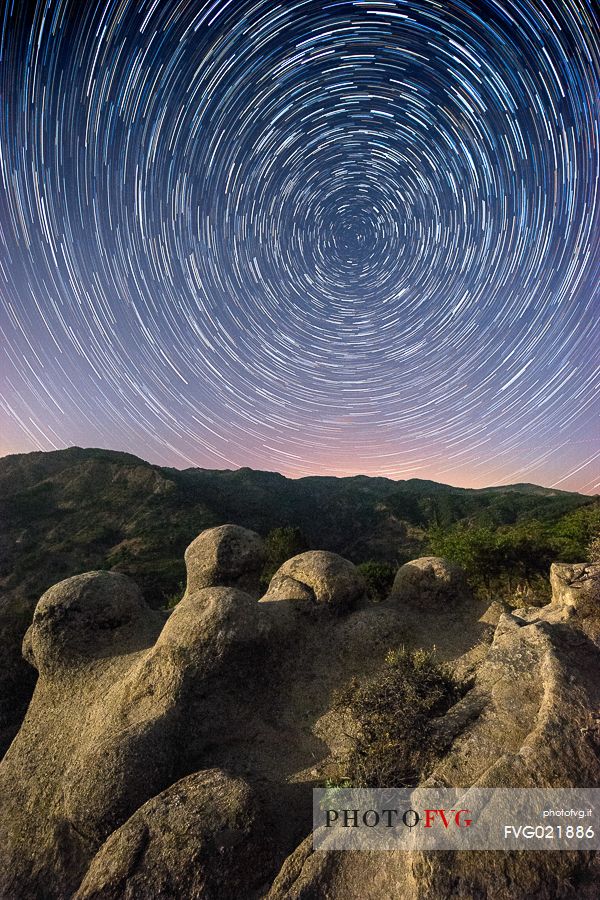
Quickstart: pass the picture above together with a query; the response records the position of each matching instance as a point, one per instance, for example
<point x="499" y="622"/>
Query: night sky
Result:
<point x="311" y="237"/>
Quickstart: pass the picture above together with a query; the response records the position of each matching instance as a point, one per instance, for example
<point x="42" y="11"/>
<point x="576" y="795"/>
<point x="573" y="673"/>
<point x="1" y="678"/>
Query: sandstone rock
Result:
<point x="320" y="577"/>
<point x="203" y="837"/>
<point x="96" y="790"/>
<point x="227" y="556"/>
<point x="112" y="725"/>
<point x="526" y="722"/>
<point x="211" y="625"/>
<point x="208" y="646"/>
<point x="576" y="585"/>
<point x="80" y="618"/>
<point x="430" y="581"/>
<point x="576" y="595"/>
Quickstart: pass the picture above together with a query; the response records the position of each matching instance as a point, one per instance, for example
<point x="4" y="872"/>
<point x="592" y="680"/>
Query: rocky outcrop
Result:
<point x="227" y="556"/>
<point x="576" y="589"/>
<point x="175" y="755"/>
<point x="84" y="618"/>
<point x="576" y="585"/>
<point x="203" y="837"/>
<point x="430" y="582"/>
<point x="528" y="721"/>
<point x="319" y="577"/>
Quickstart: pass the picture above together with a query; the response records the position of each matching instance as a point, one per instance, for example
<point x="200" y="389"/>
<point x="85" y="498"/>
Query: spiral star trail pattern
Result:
<point x="315" y="237"/>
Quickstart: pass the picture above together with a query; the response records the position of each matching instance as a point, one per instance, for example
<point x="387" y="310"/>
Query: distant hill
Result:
<point x="73" y="510"/>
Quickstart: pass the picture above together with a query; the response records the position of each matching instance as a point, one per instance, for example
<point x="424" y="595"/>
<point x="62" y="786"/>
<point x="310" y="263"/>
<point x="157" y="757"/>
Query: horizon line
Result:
<point x="296" y="477"/>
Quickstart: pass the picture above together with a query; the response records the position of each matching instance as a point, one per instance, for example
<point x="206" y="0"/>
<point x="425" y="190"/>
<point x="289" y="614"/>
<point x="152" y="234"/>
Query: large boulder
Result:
<point x="210" y="627"/>
<point x="111" y="725"/>
<point x="206" y="650"/>
<point x="319" y="577"/>
<point x="430" y="582"/>
<point x="227" y="556"/>
<point x="203" y="837"/>
<point x="80" y="618"/>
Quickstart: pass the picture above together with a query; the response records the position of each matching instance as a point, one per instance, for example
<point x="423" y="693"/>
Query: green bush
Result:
<point x="515" y="559"/>
<point x="171" y="600"/>
<point x="379" y="577"/>
<point x="574" y="534"/>
<point x="280" y="545"/>
<point x="394" y="713"/>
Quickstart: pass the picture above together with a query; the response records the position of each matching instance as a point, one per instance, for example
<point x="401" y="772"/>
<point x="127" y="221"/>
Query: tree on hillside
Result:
<point x="497" y="560"/>
<point x="575" y="532"/>
<point x="280" y="545"/>
<point x="473" y="548"/>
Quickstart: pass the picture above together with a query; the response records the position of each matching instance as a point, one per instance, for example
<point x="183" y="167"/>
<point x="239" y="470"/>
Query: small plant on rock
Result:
<point x="173" y="599"/>
<point x="394" y="712"/>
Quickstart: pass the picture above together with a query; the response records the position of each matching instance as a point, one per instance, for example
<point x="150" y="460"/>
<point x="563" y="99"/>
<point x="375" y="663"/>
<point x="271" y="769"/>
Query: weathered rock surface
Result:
<point x="227" y="556"/>
<point x="430" y="581"/>
<point x="576" y="585"/>
<point x="576" y="589"/>
<point x="528" y="721"/>
<point x="83" y="618"/>
<point x="175" y="757"/>
<point x="320" y="577"/>
<point x="203" y="837"/>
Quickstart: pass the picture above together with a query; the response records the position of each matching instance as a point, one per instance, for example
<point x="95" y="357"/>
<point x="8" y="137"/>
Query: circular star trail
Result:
<point x="316" y="237"/>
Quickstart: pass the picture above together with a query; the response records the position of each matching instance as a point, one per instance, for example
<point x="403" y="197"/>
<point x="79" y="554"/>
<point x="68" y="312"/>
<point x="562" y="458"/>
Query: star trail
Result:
<point x="312" y="237"/>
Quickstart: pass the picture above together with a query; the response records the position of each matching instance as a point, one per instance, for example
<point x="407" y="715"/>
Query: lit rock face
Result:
<point x="576" y="585"/>
<point x="82" y="618"/>
<point x="159" y="750"/>
<point x="320" y="577"/>
<point x="430" y="581"/>
<point x="205" y="835"/>
<point x="227" y="556"/>
<point x="576" y="591"/>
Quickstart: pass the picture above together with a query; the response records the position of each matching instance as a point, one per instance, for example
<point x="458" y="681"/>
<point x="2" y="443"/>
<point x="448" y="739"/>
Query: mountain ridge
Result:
<point x="125" y="457"/>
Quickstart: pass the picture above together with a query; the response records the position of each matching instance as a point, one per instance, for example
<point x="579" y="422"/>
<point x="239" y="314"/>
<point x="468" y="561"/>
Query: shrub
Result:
<point x="379" y="577"/>
<point x="171" y="600"/>
<point x="593" y="553"/>
<point x="574" y="533"/>
<point x="394" y="713"/>
<point x="498" y="560"/>
<point x="280" y="545"/>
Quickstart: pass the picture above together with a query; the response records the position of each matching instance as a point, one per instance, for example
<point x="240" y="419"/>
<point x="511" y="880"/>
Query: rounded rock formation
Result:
<point x="200" y="838"/>
<point x="79" y="618"/>
<point x="207" y="650"/>
<point x="320" y="577"/>
<point x="430" y="581"/>
<point x="211" y="625"/>
<point x="227" y="556"/>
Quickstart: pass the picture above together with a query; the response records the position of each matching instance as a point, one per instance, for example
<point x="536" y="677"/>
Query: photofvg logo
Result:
<point x="390" y="818"/>
<point x="456" y="819"/>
